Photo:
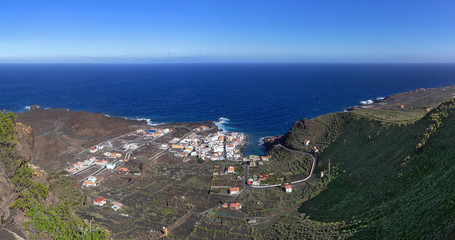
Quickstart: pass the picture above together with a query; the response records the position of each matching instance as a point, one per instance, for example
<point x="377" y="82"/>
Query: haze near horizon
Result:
<point x="226" y="31"/>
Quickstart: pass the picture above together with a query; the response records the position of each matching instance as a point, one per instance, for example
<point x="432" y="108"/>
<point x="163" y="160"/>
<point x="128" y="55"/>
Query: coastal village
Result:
<point x="232" y="172"/>
<point x="192" y="181"/>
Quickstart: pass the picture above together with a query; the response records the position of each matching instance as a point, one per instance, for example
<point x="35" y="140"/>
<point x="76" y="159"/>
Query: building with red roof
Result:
<point x="234" y="190"/>
<point x="99" y="201"/>
<point x="288" y="188"/>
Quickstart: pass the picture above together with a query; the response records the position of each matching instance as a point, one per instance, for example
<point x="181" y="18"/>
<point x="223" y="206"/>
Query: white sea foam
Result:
<point x="149" y="121"/>
<point x="222" y="122"/>
<point x="26" y="108"/>
<point x="369" y="101"/>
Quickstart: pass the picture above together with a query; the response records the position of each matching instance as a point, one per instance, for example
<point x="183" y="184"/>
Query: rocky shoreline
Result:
<point x="421" y="98"/>
<point x="60" y="133"/>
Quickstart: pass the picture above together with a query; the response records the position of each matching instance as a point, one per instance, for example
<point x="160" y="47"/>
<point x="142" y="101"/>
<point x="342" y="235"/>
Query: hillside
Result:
<point x="28" y="210"/>
<point x="59" y="134"/>
<point x="390" y="178"/>
<point x="381" y="173"/>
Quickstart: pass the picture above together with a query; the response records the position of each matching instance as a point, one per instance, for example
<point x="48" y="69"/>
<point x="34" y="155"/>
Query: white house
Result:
<point x="100" y="201"/>
<point x="306" y="142"/>
<point x="288" y="188"/>
<point x="110" y="165"/>
<point x="234" y="190"/>
<point x="91" y="179"/>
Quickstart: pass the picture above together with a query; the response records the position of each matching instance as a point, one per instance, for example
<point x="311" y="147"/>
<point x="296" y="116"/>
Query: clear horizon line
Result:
<point x="240" y="62"/>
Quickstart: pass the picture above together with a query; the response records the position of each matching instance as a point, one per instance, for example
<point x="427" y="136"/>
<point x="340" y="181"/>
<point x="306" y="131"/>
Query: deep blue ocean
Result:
<point x="258" y="99"/>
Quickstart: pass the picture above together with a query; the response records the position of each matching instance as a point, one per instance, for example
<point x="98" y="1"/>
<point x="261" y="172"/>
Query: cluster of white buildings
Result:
<point x="201" y="129"/>
<point x="219" y="145"/>
<point x="155" y="132"/>
<point x="186" y="145"/>
<point x="130" y="146"/>
<point x="213" y="147"/>
<point x="112" y="155"/>
<point x="79" y="166"/>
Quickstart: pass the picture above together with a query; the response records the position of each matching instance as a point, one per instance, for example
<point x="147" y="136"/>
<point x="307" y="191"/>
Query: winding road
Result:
<point x="294" y="182"/>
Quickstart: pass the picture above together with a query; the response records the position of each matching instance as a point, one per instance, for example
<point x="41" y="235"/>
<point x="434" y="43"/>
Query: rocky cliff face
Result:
<point x="12" y="219"/>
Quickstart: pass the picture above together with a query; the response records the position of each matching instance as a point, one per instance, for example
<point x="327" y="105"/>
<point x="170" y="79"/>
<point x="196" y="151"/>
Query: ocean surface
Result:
<point x="258" y="99"/>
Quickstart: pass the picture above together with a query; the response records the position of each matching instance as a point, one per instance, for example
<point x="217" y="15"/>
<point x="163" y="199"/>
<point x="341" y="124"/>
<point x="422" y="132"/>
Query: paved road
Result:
<point x="127" y="155"/>
<point x="294" y="182"/>
<point x="79" y="172"/>
<point x="126" y="134"/>
<point x="162" y="152"/>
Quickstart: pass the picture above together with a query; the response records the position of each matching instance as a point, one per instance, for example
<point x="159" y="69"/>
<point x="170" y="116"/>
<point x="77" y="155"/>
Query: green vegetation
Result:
<point x="321" y="131"/>
<point x="64" y="188"/>
<point x="284" y="160"/>
<point x="304" y="228"/>
<point x="56" y="222"/>
<point x="197" y="183"/>
<point x="393" y="116"/>
<point x="393" y="179"/>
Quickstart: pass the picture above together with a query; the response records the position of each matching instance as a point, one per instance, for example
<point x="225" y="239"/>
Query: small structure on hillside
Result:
<point x="110" y="165"/>
<point x="101" y="162"/>
<point x="234" y="190"/>
<point x="288" y="188"/>
<point x="99" y="201"/>
<point x="88" y="184"/>
<point x="306" y="142"/>
<point x="116" y="206"/>
<point x="123" y="170"/>
<point x="236" y="206"/>
<point x="315" y="149"/>
<point x="91" y="179"/>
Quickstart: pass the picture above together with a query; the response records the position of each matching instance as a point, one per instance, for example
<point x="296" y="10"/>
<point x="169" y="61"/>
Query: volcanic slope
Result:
<point x="388" y="179"/>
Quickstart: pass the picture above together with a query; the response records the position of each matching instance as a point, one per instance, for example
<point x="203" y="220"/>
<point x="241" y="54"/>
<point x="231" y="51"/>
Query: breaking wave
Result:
<point x="222" y="124"/>
<point x="369" y="101"/>
<point x="149" y="121"/>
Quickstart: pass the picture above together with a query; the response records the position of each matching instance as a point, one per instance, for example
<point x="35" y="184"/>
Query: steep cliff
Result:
<point x="12" y="220"/>
<point x="383" y="179"/>
<point x="27" y="208"/>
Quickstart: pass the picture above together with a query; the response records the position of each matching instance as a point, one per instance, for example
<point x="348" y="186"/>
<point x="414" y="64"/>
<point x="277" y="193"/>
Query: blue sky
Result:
<point x="227" y="31"/>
